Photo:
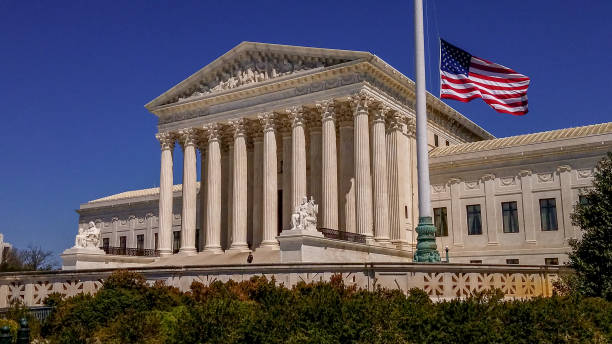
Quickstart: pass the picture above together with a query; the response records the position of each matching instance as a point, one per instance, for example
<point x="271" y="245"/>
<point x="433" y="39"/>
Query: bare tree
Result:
<point x="36" y="258"/>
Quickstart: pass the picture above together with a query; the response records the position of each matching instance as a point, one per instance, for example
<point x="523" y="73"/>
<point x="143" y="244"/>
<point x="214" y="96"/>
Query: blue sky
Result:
<point x="75" y="76"/>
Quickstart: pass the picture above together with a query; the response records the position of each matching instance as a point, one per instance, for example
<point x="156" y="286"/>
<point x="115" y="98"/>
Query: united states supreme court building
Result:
<point x="308" y="155"/>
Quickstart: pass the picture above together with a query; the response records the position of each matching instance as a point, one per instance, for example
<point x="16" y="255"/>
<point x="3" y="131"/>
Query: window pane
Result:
<point x="548" y="214"/>
<point x="473" y="219"/>
<point x="440" y="222"/>
<point x="510" y="217"/>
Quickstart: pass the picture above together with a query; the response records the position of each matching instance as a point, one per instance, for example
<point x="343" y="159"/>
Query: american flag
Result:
<point x="465" y="77"/>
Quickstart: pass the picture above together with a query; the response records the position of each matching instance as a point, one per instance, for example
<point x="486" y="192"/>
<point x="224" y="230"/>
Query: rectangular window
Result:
<point x="140" y="242"/>
<point x="406" y="211"/>
<point x="156" y="242"/>
<point x="510" y="217"/>
<point x="105" y="242"/>
<point x="512" y="261"/>
<point x="474" y="220"/>
<point x="583" y="200"/>
<point x="440" y="221"/>
<point x="176" y="241"/>
<point x="475" y="261"/>
<point x="548" y="214"/>
<point x="122" y="241"/>
<point x="551" y="261"/>
<point x="447" y="143"/>
<point x="435" y="140"/>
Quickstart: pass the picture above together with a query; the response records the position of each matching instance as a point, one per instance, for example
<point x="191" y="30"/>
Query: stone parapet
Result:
<point x="439" y="281"/>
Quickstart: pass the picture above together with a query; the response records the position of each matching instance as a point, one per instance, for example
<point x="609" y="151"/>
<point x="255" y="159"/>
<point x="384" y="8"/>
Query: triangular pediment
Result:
<point x="250" y="63"/>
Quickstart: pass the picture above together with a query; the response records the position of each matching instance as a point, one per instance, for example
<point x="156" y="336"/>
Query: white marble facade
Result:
<point x="272" y="124"/>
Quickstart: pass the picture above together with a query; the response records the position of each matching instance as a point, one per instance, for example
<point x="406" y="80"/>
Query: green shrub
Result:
<point x="127" y="310"/>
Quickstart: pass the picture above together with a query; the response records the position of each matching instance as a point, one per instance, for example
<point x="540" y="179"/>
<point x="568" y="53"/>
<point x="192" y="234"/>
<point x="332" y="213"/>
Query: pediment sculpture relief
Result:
<point x="252" y="68"/>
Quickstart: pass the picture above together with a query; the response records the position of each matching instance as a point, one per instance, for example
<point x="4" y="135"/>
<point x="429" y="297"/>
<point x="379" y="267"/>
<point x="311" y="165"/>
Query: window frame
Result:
<point x="474" y="213"/>
<point x="140" y="242"/>
<point x="512" y="225"/>
<point x="548" y="214"/>
<point x="443" y="213"/>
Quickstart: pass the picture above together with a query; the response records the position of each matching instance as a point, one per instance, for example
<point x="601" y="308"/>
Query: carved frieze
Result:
<point x="584" y="173"/>
<point x="545" y="177"/>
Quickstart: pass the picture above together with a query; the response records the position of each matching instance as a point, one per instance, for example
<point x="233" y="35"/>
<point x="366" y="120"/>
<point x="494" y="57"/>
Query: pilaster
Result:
<point x="567" y="203"/>
<point x="530" y="218"/>
<point x="490" y="205"/>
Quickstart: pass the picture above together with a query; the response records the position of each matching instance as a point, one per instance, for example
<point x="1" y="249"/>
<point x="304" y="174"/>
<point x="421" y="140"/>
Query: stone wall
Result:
<point x="440" y="281"/>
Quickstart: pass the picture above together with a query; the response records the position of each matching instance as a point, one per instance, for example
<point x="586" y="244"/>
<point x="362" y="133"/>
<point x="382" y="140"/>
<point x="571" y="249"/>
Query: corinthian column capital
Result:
<point x="268" y="121"/>
<point x="297" y="116"/>
<point x="166" y="140"/>
<point x="187" y="137"/>
<point x="238" y="127"/>
<point x="360" y="102"/>
<point x="395" y="121"/>
<point x="213" y="131"/>
<point x="327" y="110"/>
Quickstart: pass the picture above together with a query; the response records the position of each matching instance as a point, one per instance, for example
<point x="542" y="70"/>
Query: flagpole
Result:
<point x="426" y="240"/>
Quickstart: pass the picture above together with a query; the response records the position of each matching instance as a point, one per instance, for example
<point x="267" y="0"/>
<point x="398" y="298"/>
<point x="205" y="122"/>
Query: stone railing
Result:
<point x="342" y="235"/>
<point x="130" y="251"/>
<point x="440" y="281"/>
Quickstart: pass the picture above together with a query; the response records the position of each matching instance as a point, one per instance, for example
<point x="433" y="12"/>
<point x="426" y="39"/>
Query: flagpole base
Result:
<point x="426" y="251"/>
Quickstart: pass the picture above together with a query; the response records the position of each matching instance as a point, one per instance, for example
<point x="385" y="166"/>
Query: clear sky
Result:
<point x="74" y="77"/>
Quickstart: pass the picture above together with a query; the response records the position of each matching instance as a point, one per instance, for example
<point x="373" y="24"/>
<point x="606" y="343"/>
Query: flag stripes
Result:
<point x="464" y="77"/>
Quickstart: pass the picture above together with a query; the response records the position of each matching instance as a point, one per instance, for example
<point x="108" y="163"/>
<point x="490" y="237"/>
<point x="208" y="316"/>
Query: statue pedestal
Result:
<point x="307" y="246"/>
<point x="76" y="258"/>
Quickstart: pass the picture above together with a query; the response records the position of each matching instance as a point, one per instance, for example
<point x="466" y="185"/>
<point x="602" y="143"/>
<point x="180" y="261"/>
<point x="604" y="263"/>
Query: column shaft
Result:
<point x="363" y="178"/>
<point x="202" y="196"/>
<point x="189" y="192"/>
<point x="397" y="233"/>
<point x="213" y="196"/>
<point x="315" y="166"/>
<point x="165" y="194"/>
<point x="379" y="176"/>
<point x="270" y="189"/>
<point x="239" y="188"/>
<point x="298" y="159"/>
<point x="329" y="171"/>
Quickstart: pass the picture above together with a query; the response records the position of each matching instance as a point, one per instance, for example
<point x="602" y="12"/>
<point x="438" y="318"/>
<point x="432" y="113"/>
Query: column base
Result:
<point x="269" y="245"/>
<point x="213" y="249"/>
<point x="426" y="251"/>
<point x="239" y="248"/>
<point x="164" y="253"/>
<point x="384" y="242"/>
<point x="188" y="251"/>
<point x="401" y="245"/>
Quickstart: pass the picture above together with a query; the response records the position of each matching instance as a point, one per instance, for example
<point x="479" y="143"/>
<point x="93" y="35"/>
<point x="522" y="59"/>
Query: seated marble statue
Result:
<point x="88" y="238"/>
<point x="305" y="215"/>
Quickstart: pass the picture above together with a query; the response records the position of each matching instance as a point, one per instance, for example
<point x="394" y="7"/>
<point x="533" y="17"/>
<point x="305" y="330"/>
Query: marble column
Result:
<point x="346" y="186"/>
<point x="270" y="189"/>
<point x="363" y="178"/>
<point x="298" y="157"/>
<point x="239" y="187"/>
<point x="202" y="196"/>
<point x="379" y="176"/>
<point x="258" y="188"/>
<point x="213" y="195"/>
<point x="329" y="168"/>
<point x="396" y="228"/>
<point x="286" y="137"/>
<point x="187" y="138"/>
<point x="166" y="141"/>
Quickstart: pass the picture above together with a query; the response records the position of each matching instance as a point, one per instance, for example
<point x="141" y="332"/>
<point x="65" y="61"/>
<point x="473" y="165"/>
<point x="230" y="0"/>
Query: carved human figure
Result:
<point x="305" y="215"/>
<point x="79" y="240"/>
<point x="88" y="238"/>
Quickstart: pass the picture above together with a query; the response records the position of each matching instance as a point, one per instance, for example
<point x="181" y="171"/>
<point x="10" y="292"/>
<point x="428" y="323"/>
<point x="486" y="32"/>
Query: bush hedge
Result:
<point x="128" y="310"/>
